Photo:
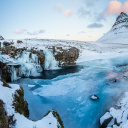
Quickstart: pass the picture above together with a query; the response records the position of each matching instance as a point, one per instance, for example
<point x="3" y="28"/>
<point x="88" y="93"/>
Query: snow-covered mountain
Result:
<point x="1" y="38"/>
<point x="118" y="32"/>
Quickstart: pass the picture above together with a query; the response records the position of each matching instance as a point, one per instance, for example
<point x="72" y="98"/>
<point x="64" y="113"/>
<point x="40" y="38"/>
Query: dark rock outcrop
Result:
<point x="19" y="41"/>
<point x="40" y="54"/>
<point x="66" y="57"/>
<point x="1" y="38"/>
<point x="5" y="83"/>
<point x="57" y="116"/>
<point x="3" y="116"/>
<point x="105" y="120"/>
<point x="41" y="57"/>
<point x="5" y="71"/>
<point x="11" y="51"/>
<point x="5" y="43"/>
<point x="20" y="104"/>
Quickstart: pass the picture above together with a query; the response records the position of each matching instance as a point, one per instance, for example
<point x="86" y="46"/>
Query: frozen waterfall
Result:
<point x="30" y="65"/>
<point x="14" y="73"/>
<point x="50" y="62"/>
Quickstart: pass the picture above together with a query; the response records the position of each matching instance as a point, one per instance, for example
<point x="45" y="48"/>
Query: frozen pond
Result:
<point x="68" y="92"/>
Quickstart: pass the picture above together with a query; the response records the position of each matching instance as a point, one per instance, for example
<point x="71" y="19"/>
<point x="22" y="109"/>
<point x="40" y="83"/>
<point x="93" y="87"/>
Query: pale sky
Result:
<point x="85" y="20"/>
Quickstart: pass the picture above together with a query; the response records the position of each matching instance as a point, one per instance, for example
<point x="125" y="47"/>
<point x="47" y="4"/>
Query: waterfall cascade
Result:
<point x="50" y="62"/>
<point x="30" y="65"/>
<point x="14" y="73"/>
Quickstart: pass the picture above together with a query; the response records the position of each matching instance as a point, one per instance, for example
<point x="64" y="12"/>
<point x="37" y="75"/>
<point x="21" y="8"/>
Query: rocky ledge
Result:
<point x="19" y="60"/>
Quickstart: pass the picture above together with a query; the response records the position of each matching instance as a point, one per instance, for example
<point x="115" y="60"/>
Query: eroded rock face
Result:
<point x="11" y="51"/>
<point x="40" y="54"/>
<point x="66" y="57"/>
<point x="3" y="116"/>
<point x="57" y="116"/>
<point x="20" y="104"/>
<point x="5" y="71"/>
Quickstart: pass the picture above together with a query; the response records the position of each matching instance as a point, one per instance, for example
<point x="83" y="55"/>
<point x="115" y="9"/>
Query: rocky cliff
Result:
<point x="17" y="60"/>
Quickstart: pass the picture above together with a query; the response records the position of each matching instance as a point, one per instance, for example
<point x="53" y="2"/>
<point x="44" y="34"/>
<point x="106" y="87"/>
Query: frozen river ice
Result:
<point x="68" y="91"/>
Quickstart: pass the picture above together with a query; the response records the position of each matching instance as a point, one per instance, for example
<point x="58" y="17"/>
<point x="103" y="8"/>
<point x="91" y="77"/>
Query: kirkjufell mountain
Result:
<point x="118" y="32"/>
<point x="1" y="38"/>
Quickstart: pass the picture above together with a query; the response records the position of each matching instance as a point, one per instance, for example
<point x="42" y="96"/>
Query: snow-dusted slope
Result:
<point x="119" y="31"/>
<point x="7" y="96"/>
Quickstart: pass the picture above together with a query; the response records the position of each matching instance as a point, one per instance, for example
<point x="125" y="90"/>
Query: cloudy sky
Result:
<point x="85" y="20"/>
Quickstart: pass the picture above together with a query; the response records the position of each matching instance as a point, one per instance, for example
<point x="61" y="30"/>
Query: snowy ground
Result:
<point x="22" y="122"/>
<point x="119" y="113"/>
<point x="88" y="50"/>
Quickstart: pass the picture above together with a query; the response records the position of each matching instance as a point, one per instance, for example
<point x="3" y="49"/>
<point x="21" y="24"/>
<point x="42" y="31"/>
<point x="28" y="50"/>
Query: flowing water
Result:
<point x="68" y="91"/>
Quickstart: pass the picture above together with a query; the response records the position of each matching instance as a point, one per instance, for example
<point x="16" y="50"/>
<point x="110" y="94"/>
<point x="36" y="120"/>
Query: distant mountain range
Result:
<point x="118" y="32"/>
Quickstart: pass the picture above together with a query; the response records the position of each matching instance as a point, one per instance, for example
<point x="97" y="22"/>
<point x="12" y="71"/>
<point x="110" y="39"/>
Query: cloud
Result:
<point x="90" y="3"/>
<point x="59" y="7"/>
<point x="36" y="32"/>
<point x="68" y="13"/>
<point x="95" y="25"/>
<point x="20" y="31"/>
<point x="115" y="7"/>
<point x="82" y="12"/>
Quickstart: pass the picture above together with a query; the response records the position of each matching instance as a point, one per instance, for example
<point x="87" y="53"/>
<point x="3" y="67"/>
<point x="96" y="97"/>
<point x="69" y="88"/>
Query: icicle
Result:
<point x="13" y="73"/>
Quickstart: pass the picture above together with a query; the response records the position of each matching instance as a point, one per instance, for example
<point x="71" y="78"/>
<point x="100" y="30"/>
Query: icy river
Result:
<point x="68" y="91"/>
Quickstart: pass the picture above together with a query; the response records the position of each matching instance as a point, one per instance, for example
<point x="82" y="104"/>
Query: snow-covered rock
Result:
<point x="117" y="117"/>
<point x="105" y="119"/>
<point x="50" y="120"/>
<point x="94" y="97"/>
<point x="118" y="32"/>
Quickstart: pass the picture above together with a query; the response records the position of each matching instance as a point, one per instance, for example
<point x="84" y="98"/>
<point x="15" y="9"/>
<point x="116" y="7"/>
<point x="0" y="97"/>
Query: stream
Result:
<point x="68" y="91"/>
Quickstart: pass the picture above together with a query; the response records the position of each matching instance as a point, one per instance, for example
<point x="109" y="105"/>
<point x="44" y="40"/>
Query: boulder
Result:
<point x="19" y="41"/>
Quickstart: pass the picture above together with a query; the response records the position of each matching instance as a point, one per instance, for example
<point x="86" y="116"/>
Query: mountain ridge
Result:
<point x="119" y="31"/>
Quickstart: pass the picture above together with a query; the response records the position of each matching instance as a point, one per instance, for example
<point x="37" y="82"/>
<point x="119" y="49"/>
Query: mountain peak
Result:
<point x="119" y="31"/>
<point x="123" y="17"/>
<point x="1" y="38"/>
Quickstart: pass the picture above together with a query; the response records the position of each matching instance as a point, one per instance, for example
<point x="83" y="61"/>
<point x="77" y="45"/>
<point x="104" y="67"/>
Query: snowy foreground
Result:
<point x="117" y="116"/>
<point x="22" y="122"/>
